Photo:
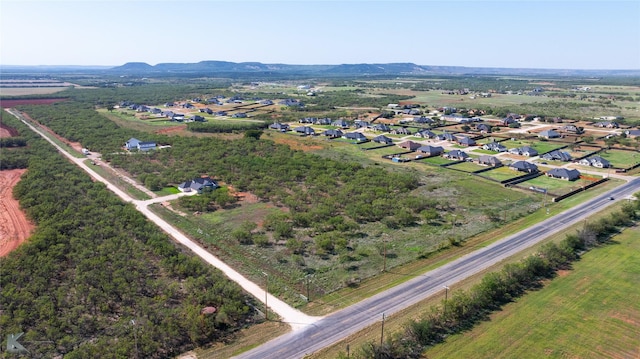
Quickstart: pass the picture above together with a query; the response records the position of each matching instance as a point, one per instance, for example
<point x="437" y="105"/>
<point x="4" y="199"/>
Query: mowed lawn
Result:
<point x="620" y="159"/>
<point x="591" y="311"/>
<point x="556" y="185"/>
<point x="502" y="173"/>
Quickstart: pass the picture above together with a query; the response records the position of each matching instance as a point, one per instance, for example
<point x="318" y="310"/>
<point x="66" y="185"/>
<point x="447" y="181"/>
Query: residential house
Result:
<point x="282" y="127"/>
<point x="382" y="127"/>
<point x="632" y="133"/>
<point x="524" y="151"/>
<point x="340" y="123"/>
<point x="446" y="136"/>
<point x="557" y="155"/>
<point x="524" y="166"/>
<point x="483" y="127"/>
<point x="494" y="146"/>
<point x="425" y="134"/>
<point x="323" y="121"/>
<point x="136" y="144"/>
<point x="307" y="120"/>
<point x="239" y="115"/>
<point x="563" y="173"/>
<point x="487" y="160"/>
<point x="507" y="121"/>
<point x="573" y="129"/>
<point x="266" y="102"/>
<point x="198" y="185"/>
<point x="456" y="155"/>
<point x="355" y="136"/>
<point x="422" y="119"/>
<point x="549" y="134"/>
<point x="196" y="118"/>
<point x="453" y="118"/>
<point x="608" y="124"/>
<point x="431" y="150"/>
<point x="333" y="133"/>
<point x="383" y="139"/>
<point x="400" y="131"/>
<point x="409" y="145"/>
<point x="595" y="161"/>
<point x="465" y="141"/>
<point x="305" y="130"/>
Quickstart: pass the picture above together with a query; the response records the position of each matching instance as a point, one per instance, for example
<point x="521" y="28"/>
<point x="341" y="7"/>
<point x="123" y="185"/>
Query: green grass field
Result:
<point x="502" y="173"/>
<point x="620" y="159"/>
<point x="436" y="161"/>
<point x="591" y="311"/>
<point x="467" y="167"/>
<point x="555" y="185"/>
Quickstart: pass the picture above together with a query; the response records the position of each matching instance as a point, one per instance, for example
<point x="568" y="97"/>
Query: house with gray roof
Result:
<point x="198" y="185"/>
<point x="549" y="134"/>
<point x="282" y="127"/>
<point x="409" y="145"/>
<point x="333" y="133"/>
<point x="557" y="155"/>
<point x="595" y="161"/>
<point x="136" y="144"/>
<point x="425" y="134"/>
<point x="486" y="160"/>
<point x="524" y="166"/>
<point x="383" y="139"/>
<point x="465" y="141"/>
<point x="564" y="173"/>
<point x="355" y="136"/>
<point x="494" y="146"/>
<point x="524" y="151"/>
<point x="430" y="150"/>
<point x="305" y="130"/>
<point x="456" y="155"/>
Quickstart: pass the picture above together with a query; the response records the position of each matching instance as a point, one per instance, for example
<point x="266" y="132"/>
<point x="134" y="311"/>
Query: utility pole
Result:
<point x="382" y="332"/>
<point x="308" y="293"/>
<point x="384" y="255"/>
<point x="446" y="295"/>
<point x="266" y="294"/>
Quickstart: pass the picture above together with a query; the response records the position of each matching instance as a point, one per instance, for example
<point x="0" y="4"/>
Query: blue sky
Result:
<point x="513" y="34"/>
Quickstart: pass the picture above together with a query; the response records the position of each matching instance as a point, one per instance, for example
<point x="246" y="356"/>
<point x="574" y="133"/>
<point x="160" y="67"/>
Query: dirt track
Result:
<point x="14" y="226"/>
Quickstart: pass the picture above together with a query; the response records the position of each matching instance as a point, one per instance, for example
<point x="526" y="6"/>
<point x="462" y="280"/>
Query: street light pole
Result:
<point x="266" y="293"/>
<point x="446" y="295"/>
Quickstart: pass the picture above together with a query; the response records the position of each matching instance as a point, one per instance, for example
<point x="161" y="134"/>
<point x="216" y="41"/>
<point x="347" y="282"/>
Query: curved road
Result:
<point x="350" y="320"/>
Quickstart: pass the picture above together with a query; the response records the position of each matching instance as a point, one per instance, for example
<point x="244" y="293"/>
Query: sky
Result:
<point x="545" y="34"/>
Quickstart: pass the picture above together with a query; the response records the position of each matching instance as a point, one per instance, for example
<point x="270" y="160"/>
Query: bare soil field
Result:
<point x="15" y="228"/>
<point x="34" y="101"/>
<point x="6" y="131"/>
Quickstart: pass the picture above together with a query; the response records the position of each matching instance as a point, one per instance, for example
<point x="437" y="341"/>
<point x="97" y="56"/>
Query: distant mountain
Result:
<point x="225" y="67"/>
<point x="258" y="69"/>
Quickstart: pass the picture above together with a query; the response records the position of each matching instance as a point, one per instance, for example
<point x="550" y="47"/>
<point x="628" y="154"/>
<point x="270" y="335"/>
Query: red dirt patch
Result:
<point x="171" y="130"/>
<point x="33" y="101"/>
<point x="6" y="131"/>
<point x="15" y="228"/>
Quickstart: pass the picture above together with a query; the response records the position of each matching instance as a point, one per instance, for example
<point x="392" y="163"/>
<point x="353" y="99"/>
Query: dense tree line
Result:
<point x="225" y="127"/>
<point x="94" y="265"/>
<point x="466" y="308"/>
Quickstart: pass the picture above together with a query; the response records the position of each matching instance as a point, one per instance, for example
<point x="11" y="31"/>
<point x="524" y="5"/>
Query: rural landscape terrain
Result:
<point x="217" y="210"/>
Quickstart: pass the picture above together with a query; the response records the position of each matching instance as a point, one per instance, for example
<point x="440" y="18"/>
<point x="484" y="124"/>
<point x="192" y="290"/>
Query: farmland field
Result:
<point x="590" y="311"/>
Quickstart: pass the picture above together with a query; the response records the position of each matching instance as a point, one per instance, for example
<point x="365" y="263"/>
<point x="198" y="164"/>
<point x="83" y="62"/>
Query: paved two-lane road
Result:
<point x="352" y="319"/>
